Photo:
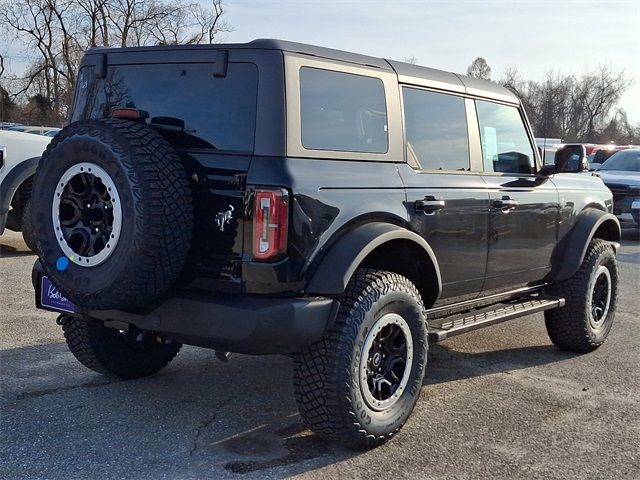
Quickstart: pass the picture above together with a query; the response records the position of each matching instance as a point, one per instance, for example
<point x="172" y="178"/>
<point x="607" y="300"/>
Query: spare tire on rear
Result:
<point x="112" y="214"/>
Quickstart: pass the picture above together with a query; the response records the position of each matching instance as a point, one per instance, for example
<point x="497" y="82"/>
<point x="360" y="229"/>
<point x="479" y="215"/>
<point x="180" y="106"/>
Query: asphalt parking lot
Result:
<point x="497" y="403"/>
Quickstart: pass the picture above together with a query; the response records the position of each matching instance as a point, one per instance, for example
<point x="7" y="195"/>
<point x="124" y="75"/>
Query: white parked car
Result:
<point x="18" y="161"/>
<point x="33" y="129"/>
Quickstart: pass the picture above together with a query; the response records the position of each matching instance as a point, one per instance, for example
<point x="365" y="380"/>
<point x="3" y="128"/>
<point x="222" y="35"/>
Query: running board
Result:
<point x="446" y="327"/>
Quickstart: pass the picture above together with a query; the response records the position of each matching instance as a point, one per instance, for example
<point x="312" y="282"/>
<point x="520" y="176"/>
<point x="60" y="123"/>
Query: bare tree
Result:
<point x="210" y="22"/>
<point x="594" y="96"/>
<point x="479" y="68"/>
<point x="569" y="107"/>
<point x="59" y="31"/>
<point x="47" y="27"/>
<point x="96" y="24"/>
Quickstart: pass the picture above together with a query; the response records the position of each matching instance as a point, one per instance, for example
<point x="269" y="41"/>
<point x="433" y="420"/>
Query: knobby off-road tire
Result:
<point x="132" y="254"/>
<point x="329" y="384"/>
<point x="584" y="323"/>
<point x="27" y="227"/>
<point x="112" y="352"/>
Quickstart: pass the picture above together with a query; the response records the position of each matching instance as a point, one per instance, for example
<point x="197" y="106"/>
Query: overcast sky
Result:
<point x="535" y="36"/>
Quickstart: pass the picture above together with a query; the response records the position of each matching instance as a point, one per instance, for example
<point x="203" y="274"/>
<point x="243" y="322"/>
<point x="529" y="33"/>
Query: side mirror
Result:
<point x="571" y="158"/>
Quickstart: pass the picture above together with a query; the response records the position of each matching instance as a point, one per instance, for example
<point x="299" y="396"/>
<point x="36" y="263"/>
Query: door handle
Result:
<point x="505" y="203"/>
<point x="428" y="205"/>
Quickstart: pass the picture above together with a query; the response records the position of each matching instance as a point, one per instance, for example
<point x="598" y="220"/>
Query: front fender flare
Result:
<point x="344" y="257"/>
<point x="572" y="248"/>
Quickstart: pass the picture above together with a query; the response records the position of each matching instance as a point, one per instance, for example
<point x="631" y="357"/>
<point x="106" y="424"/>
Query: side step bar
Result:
<point x="442" y="328"/>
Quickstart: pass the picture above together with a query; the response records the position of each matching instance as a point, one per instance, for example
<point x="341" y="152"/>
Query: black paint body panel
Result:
<point x="479" y="248"/>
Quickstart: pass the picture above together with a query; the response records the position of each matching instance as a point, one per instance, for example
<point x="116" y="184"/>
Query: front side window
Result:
<point x="342" y="111"/>
<point x="505" y="144"/>
<point x="436" y="130"/>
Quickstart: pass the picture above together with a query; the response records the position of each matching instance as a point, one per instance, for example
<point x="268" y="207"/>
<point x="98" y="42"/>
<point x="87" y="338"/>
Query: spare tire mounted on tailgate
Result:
<point x="113" y="214"/>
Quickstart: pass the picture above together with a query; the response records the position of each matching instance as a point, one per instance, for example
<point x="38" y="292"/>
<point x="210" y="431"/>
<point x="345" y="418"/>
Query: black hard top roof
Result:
<point x="407" y="73"/>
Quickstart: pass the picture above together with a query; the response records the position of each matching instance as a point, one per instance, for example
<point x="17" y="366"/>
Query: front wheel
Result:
<point x="120" y="353"/>
<point x="584" y="323"/>
<point x="358" y="385"/>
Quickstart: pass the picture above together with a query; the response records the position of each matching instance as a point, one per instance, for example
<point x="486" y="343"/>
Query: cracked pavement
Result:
<point x="497" y="403"/>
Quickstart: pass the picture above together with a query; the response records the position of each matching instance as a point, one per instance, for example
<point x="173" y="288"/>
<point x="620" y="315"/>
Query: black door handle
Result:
<point x="428" y="205"/>
<point x="505" y="203"/>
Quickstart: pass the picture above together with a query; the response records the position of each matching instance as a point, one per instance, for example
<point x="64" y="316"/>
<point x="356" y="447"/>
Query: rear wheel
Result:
<point x="358" y="385"/>
<point x="584" y="323"/>
<point x="126" y="354"/>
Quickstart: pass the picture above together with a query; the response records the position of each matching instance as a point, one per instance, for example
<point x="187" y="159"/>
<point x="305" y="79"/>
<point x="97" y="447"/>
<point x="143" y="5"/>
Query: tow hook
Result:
<point x="223" y="356"/>
<point x="62" y="319"/>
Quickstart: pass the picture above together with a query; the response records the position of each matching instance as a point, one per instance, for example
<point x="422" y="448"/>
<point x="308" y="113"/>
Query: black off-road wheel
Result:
<point x="585" y="321"/>
<point x="112" y="214"/>
<point x="358" y="385"/>
<point x="117" y="353"/>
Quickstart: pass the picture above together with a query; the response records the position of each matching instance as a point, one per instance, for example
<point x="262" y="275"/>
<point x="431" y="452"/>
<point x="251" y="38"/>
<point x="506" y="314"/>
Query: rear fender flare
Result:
<point x="344" y="257"/>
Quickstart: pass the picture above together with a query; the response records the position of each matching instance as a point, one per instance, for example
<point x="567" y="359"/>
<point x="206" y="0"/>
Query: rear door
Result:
<point x="208" y="114"/>
<point x="524" y="210"/>
<point x="447" y="198"/>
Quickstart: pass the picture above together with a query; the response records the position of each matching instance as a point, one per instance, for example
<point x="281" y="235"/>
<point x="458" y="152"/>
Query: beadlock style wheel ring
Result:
<point x="86" y="214"/>
<point x="385" y="364"/>
<point x="600" y="298"/>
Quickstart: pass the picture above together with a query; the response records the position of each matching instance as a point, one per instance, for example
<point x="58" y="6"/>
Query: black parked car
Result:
<point x="274" y="197"/>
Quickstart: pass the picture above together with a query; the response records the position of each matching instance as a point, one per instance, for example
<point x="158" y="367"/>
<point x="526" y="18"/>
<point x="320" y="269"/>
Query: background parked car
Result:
<point x="8" y="125"/>
<point x="602" y="154"/>
<point x="53" y="132"/>
<point x="621" y="173"/>
<point x="20" y="155"/>
<point x="33" y="129"/>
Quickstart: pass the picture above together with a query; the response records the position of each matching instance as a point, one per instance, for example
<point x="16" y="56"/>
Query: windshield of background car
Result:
<point x="625" y="161"/>
<point x="190" y="106"/>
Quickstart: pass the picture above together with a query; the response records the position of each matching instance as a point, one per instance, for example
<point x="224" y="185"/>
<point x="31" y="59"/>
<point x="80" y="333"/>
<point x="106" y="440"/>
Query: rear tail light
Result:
<point x="270" y="220"/>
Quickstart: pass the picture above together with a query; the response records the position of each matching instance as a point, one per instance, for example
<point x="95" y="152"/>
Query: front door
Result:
<point x="447" y="201"/>
<point x="524" y="207"/>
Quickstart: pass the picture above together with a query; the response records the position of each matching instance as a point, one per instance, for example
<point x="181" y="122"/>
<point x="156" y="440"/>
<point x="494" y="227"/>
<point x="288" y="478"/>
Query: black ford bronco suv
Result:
<point x="274" y="197"/>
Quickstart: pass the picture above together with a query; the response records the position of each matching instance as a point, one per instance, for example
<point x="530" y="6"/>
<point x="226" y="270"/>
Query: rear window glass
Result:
<point x="185" y="102"/>
<point x="436" y="129"/>
<point x="342" y="111"/>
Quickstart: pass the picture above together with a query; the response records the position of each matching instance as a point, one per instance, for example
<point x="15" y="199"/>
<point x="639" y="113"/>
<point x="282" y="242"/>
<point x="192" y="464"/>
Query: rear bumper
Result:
<point x="243" y="324"/>
<point x="250" y="325"/>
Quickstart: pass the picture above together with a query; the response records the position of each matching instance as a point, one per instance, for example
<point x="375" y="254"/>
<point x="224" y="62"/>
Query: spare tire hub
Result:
<point x="87" y="214"/>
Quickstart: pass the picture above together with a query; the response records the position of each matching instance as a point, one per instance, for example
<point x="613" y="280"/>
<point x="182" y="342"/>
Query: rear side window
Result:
<point x="342" y="111"/>
<point x="436" y="130"/>
<point x="185" y="102"/>
<point x="505" y="143"/>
